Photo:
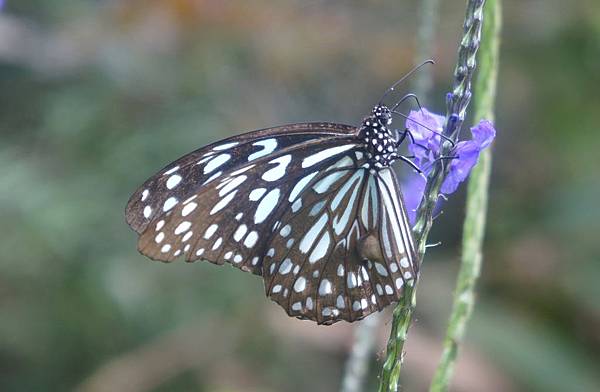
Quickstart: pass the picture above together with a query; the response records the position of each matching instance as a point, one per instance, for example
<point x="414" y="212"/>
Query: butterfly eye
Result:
<point x="312" y="208"/>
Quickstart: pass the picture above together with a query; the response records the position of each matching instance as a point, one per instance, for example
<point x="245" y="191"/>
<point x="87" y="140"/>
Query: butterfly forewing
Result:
<point x="190" y="173"/>
<point x="227" y="218"/>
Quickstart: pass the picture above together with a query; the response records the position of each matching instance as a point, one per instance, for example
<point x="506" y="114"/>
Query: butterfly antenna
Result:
<point x="426" y="127"/>
<point x="393" y="86"/>
<point x="404" y="98"/>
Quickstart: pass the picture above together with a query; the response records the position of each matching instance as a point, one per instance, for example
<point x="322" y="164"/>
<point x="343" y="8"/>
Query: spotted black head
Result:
<point x="382" y="114"/>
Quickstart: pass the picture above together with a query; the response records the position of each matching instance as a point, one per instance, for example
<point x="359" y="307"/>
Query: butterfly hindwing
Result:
<point x="328" y="261"/>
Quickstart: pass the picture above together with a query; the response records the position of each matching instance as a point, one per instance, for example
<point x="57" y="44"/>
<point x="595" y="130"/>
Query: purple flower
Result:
<point x="427" y="143"/>
<point x="426" y="149"/>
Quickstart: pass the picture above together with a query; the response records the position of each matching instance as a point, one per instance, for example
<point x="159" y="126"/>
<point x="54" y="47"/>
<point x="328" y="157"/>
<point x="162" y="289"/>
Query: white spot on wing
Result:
<point x="393" y="207"/>
<point x="339" y="224"/>
<point x="251" y="239"/>
<point x="225" y="146"/>
<point x="381" y="269"/>
<point x="399" y="283"/>
<point x="217" y="243"/>
<point x="266" y="206"/>
<point x="188" y="208"/>
<point x="170" y="203"/>
<point x="223" y="203"/>
<point x="351" y="280"/>
<point x="350" y="184"/>
<point x="217" y="174"/>
<point x="256" y="194"/>
<point x="268" y="145"/>
<point x="278" y="171"/>
<point x="147" y="211"/>
<point x="210" y="231"/>
<point x="216" y="162"/>
<point x="309" y="303"/>
<point x="311" y="236"/>
<point x="297" y="205"/>
<point x="323" y="185"/>
<point x="240" y="233"/>
<point x="242" y="170"/>
<point x="165" y="248"/>
<point x="321" y="249"/>
<point x="285" y="267"/>
<point x="173" y="181"/>
<point x="325" y="287"/>
<point x="172" y="170"/>
<point x="186" y="237"/>
<point x="327" y="153"/>
<point x="237" y="181"/>
<point x="285" y="231"/>
<point x="404" y="262"/>
<point x="300" y="285"/>
<point x="183" y="227"/>
<point x="300" y="186"/>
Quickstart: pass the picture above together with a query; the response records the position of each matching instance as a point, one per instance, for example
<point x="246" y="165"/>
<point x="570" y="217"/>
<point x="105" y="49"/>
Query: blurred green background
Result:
<point x="95" y="96"/>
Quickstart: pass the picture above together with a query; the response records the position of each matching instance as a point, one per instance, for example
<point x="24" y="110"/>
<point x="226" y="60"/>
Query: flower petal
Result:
<point x="483" y="133"/>
<point x="467" y="154"/>
<point x="426" y="144"/>
<point x="412" y="191"/>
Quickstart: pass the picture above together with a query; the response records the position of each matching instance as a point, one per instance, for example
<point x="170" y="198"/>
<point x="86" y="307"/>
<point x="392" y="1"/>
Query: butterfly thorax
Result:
<point x="380" y="141"/>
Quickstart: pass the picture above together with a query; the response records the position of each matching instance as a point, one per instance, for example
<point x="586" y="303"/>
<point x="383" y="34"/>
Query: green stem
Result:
<point x="456" y="109"/>
<point x="476" y="208"/>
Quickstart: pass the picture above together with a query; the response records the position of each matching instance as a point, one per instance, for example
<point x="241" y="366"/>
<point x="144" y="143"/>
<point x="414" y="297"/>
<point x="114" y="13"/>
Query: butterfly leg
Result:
<point x="403" y="134"/>
<point x="407" y="159"/>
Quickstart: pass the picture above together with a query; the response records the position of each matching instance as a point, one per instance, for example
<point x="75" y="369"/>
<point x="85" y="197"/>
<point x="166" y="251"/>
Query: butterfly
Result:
<point x="315" y="209"/>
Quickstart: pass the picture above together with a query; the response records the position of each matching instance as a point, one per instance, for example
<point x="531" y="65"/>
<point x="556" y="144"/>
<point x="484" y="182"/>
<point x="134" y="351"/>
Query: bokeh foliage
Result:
<point x="97" y="95"/>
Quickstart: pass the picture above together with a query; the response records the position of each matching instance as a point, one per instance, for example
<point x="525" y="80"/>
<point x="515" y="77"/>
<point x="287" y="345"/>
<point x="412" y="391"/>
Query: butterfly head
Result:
<point x="382" y="114"/>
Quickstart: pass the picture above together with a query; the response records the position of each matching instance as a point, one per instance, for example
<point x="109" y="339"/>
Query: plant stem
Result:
<point x="476" y="208"/>
<point x="457" y="103"/>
